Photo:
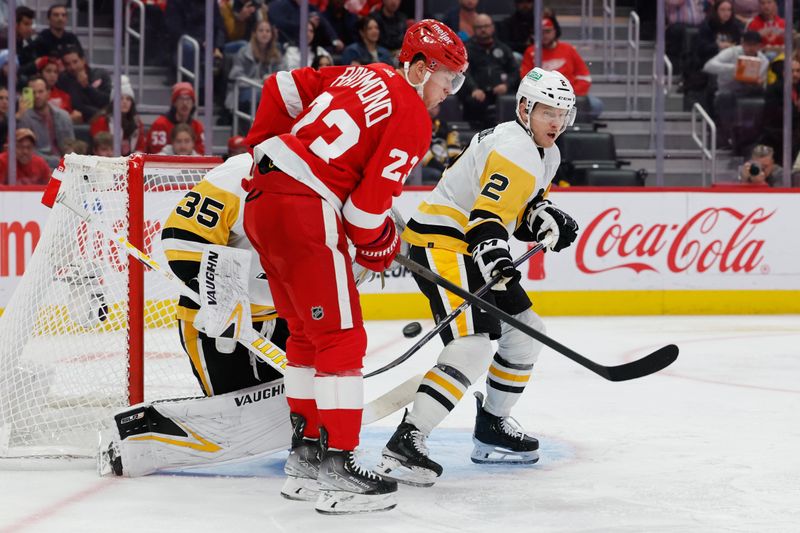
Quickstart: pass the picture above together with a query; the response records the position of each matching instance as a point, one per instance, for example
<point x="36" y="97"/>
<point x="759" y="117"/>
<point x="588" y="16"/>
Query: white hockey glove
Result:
<point x="493" y="257"/>
<point x="225" y="306"/>
<point x="542" y="217"/>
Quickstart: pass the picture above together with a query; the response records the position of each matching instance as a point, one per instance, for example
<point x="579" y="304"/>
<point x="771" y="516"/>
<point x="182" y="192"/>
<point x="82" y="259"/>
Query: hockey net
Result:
<point x="87" y="331"/>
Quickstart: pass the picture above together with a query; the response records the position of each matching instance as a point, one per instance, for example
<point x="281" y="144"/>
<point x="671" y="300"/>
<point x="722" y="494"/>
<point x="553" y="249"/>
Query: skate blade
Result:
<point x="335" y="502"/>
<point x="300" y="489"/>
<point x="391" y="468"/>
<point x="492" y="455"/>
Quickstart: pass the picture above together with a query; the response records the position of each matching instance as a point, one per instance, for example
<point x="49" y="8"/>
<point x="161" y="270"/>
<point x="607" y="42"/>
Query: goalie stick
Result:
<point x="373" y="411"/>
<point x="647" y="365"/>
<point x="460" y="309"/>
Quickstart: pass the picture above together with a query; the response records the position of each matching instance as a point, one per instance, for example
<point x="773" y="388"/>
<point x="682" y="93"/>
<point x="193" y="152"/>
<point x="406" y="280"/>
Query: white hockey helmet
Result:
<point x="550" y="88"/>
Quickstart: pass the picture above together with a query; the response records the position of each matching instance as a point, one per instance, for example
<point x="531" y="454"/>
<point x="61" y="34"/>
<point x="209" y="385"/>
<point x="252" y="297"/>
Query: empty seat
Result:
<point x="507" y="108"/>
<point x="749" y="122"/>
<point x="614" y="177"/>
<point x="591" y="146"/>
<point x="450" y="110"/>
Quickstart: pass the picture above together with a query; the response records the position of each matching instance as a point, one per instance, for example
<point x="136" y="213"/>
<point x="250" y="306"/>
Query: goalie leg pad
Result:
<point x="512" y="365"/>
<point x="199" y="431"/>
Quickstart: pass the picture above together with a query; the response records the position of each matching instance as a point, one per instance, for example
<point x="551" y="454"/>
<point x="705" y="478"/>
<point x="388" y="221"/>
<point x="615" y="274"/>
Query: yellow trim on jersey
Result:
<point x="506" y="202"/>
<point x="183" y="255"/>
<point x="449" y="387"/>
<point x="444" y="210"/>
<point x="446" y="265"/>
<point x="434" y="240"/>
<point x="190" y="341"/>
<point x="201" y="444"/>
<point x="508" y="377"/>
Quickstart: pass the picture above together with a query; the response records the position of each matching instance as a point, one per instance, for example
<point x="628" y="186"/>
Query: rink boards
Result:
<point x="639" y="251"/>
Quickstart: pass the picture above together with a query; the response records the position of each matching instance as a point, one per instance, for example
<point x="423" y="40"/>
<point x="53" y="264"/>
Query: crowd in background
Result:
<point x="59" y="93"/>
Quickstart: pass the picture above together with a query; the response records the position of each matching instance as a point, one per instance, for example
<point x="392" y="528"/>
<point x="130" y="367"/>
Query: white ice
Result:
<point x="709" y="444"/>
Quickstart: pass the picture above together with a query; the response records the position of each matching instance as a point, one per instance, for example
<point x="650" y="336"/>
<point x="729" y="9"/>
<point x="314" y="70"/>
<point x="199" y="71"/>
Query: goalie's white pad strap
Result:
<point x="224" y="302"/>
<point x="234" y="426"/>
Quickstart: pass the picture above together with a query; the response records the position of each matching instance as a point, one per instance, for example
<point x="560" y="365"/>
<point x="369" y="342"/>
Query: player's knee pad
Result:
<point x="517" y="347"/>
<point x="469" y="355"/>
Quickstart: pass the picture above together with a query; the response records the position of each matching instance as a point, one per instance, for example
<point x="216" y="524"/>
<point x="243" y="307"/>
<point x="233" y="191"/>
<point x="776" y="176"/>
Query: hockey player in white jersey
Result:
<point x="243" y="412"/>
<point x="496" y="188"/>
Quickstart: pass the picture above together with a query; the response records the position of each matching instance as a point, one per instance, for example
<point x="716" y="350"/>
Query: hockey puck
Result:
<point x="412" y="329"/>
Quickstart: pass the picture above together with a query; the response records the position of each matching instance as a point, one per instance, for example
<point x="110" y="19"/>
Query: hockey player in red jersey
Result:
<point x="332" y="148"/>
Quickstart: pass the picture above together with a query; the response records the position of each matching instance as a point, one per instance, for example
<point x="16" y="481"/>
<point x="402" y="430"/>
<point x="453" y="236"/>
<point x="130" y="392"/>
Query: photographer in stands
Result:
<point x="761" y="168"/>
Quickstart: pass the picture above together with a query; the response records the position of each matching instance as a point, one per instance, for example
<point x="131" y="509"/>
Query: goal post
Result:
<point x="87" y="330"/>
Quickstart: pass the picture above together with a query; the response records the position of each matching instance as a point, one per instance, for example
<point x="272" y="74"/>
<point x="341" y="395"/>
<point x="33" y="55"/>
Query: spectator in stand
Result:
<point x="133" y="137"/>
<point x="52" y="41"/>
<point x="88" y="88"/>
<point x="4" y="70"/>
<point x="285" y="14"/>
<point x="761" y="168"/>
<point x="181" y="112"/>
<point x="493" y="72"/>
<point x="392" y="24"/>
<point x="322" y="61"/>
<point x="723" y="65"/>
<point x="719" y="31"/>
<point x="103" y="144"/>
<point x="241" y="16"/>
<point x="367" y="50"/>
<point x="257" y="60"/>
<point x="4" y="107"/>
<point x="236" y="146"/>
<point x="76" y="146"/>
<point x="770" y="26"/>
<point x="461" y="19"/>
<point x="342" y="21"/>
<point x="517" y="28"/>
<point x="31" y="168"/>
<point x="445" y="147"/>
<point x="563" y="57"/>
<point x="745" y="10"/>
<point x="48" y="70"/>
<point x="292" y="54"/>
<point x="773" y="110"/>
<point x="50" y="124"/>
<point x="26" y="42"/>
<point x="182" y="140"/>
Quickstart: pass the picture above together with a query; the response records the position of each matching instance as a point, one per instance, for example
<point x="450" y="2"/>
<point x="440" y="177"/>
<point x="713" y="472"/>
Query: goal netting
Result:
<point x="87" y="331"/>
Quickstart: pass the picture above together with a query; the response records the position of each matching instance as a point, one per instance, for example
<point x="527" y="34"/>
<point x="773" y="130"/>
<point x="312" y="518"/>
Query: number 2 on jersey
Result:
<point x="497" y="183"/>
<point x="350" y="132"/>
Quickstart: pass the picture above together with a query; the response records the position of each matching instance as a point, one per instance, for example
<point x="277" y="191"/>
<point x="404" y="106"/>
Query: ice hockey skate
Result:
<point x="500" y="440"/>
<point x="346" y="487"/>
<point x="302" y="465"/>
<point x="405" y="457"/>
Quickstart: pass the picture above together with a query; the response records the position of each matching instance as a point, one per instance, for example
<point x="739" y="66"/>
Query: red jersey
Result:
<point x="60" y="99"/>
<point x="160" y="130"/>
<point x="771" y="31"/>
<point x="36" y="172"/>
<point x="351" y="134"/>
<point x="566" y="60"/>
<point x="135" y="143"/>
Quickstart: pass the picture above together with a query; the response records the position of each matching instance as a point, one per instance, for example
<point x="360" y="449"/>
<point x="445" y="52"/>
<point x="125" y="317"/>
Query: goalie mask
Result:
<point x="552" y="89"/>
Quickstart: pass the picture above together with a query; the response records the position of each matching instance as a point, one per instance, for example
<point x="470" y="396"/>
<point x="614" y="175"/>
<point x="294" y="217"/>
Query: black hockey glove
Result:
<point x="493" y="257"/>
<point x="543" y="217"/>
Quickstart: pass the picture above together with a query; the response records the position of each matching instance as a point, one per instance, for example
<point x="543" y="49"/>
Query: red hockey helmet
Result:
<point x="441" y="47"/>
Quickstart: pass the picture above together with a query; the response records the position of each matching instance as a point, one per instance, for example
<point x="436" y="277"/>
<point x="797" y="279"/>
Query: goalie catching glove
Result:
<point x="542" y="217"/>
<point x="493" y="257"/>
<point x="378" y="255"/>
<point x="225" y="305"/>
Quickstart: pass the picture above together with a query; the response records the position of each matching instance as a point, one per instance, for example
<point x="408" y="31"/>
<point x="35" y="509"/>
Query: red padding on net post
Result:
<point x="136" y="280"/>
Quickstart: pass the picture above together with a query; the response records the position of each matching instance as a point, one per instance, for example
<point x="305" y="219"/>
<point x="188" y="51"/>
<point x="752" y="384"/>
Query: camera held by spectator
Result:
<point x="761" y="168"/>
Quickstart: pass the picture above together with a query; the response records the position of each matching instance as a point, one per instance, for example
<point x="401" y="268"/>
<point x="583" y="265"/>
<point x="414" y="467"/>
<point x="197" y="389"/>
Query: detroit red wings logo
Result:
<point x="719" y="239"/>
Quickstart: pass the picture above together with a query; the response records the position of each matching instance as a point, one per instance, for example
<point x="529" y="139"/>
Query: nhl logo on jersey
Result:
<point x="317" y="312"/>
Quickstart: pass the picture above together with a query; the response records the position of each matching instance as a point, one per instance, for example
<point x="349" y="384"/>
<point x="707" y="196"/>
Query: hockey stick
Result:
<point x="647" y="365"/>
<point x="265" y="350"/>
<point x="460" y="309"/>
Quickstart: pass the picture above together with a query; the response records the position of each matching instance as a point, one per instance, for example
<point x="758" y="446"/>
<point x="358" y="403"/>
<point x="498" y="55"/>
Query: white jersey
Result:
<point x="213" y="213"/>
<point x="483" y="194"/>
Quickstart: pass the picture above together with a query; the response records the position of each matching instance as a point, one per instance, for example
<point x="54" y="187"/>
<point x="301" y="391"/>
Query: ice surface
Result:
<point x="709" y="444"/>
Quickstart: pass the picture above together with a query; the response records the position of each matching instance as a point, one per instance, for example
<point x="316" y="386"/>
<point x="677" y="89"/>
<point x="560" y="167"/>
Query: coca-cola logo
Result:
<point x="715" y="238"/>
